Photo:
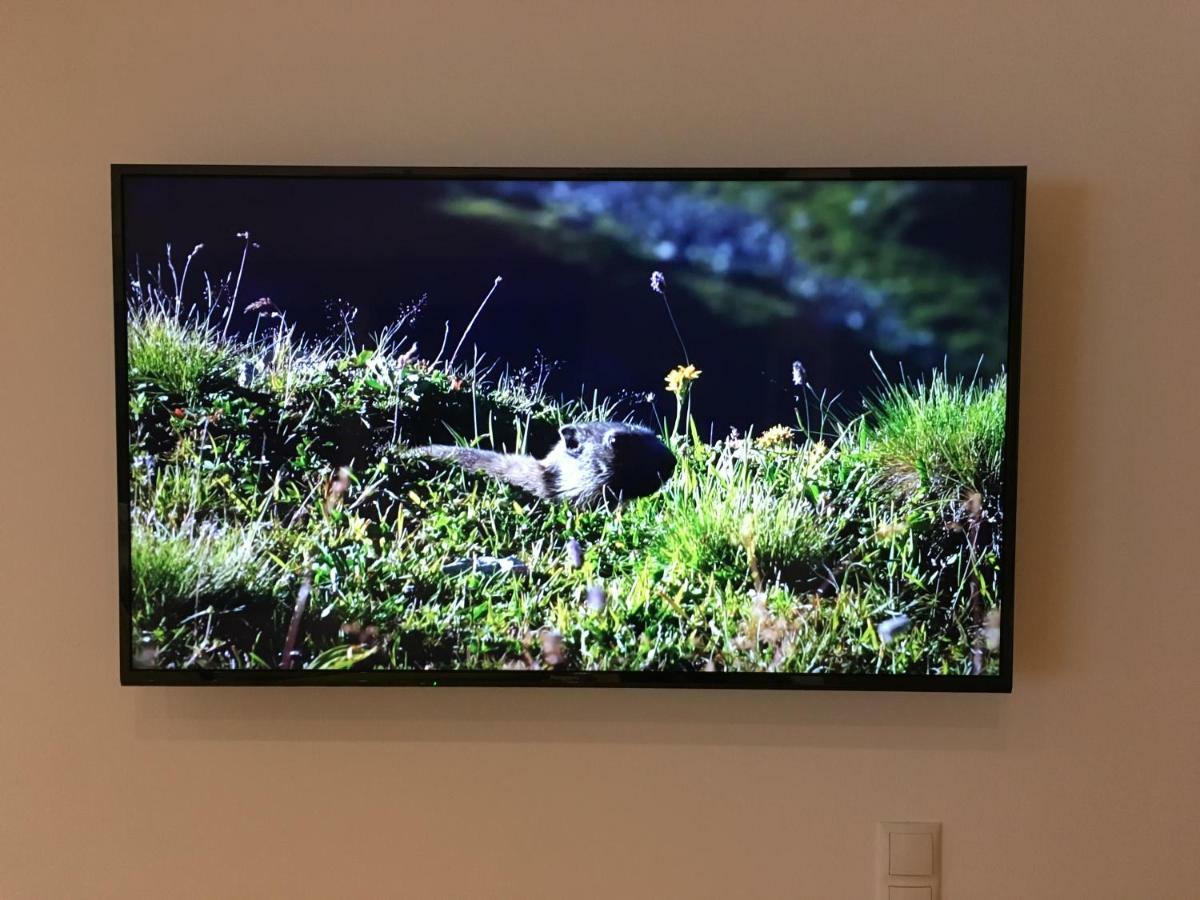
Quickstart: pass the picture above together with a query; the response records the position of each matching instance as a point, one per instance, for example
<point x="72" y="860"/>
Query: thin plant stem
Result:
<point x="174" y="280"/>
<point x="445" y="339"/>
<point x="183" y="280"/>
<point x="679" y="336"/>
<point x="241" y="268"/>
<point x="471" y="324"/>
<point x="658" y="284"/>
<point x="678" y="414"/>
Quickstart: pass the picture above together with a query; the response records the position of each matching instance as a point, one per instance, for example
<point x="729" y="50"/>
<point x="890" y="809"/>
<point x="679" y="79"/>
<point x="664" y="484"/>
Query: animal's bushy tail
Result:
<point x="520" y="471"/>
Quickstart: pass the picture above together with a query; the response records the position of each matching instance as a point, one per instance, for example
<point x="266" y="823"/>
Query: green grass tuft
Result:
<point x="178" y="357"/>
<point x="942" y="436"/>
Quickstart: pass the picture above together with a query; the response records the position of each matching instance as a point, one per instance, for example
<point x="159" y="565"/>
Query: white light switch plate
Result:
<point x="909" y="861"/>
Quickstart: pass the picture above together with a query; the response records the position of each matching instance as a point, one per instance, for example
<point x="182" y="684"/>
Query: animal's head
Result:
<point x="613" y="461"/>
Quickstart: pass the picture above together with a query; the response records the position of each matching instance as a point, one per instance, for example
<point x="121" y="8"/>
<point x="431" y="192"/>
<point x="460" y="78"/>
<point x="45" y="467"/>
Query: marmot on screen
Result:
<point x="593" y="462"/>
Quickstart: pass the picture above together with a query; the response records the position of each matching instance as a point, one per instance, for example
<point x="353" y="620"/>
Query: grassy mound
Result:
<point x="268" y="470"/>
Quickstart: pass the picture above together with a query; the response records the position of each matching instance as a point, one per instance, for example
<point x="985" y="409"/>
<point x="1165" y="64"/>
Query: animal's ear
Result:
<point x="570" y="437"/>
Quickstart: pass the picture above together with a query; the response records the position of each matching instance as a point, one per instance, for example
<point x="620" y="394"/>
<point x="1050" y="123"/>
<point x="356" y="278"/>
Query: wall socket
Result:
<point x="909" y="861"/>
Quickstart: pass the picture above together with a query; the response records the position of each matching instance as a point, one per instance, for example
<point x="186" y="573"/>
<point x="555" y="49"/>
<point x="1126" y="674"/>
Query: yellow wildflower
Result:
<point x="777" y="436"/>
<point x="680" y="377"/>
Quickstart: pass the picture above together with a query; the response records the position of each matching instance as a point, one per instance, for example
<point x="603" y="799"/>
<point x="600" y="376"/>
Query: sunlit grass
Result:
<point x="262" y="463"/>
<point x="936" y="434"/>
<point x="176" y="356"/>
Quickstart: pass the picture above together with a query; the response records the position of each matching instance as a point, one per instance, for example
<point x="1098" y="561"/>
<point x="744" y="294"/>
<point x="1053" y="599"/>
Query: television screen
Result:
<point x="726" y="428"/>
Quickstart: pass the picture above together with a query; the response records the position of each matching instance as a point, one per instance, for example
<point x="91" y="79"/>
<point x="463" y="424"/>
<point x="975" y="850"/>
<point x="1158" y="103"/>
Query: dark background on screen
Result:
<point x="378" y="245"/>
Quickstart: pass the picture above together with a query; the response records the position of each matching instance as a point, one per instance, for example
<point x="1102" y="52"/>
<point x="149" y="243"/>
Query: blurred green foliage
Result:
<point x="865" y="231"/>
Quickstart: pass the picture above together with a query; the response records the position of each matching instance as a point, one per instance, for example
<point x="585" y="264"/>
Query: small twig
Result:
<point x="293" y="634"/>
<point x="471" y="324"/>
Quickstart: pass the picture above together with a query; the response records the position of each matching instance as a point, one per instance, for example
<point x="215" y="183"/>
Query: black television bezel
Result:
<point x="1015" y="176"/>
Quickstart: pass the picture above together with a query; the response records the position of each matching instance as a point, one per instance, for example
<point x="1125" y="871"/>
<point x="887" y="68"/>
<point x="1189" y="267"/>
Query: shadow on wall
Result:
<point x="1055" y="301"/>
<point x="1053" y="366"/>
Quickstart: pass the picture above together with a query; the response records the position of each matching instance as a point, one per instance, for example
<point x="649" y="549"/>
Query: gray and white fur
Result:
<point x="592" y="463"/>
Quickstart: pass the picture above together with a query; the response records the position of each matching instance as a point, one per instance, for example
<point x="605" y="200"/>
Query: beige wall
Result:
<point x="1083" y="783"/>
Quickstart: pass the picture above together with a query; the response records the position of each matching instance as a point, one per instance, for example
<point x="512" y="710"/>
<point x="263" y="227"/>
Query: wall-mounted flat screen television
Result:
<point x="596" y="427"/>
